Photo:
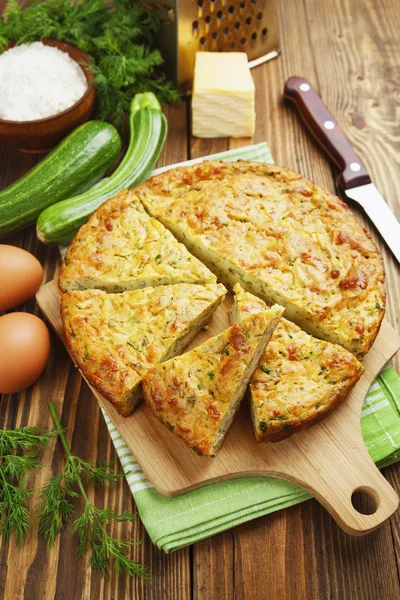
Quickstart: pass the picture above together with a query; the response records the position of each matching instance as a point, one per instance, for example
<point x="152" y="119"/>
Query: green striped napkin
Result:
<point x="173" y="523"/>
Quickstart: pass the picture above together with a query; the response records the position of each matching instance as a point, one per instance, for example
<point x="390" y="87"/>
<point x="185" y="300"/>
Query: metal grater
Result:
<point x="189" y="26"/>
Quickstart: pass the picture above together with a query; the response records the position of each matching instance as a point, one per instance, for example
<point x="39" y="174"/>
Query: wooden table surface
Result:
<point x="350" y="52"/>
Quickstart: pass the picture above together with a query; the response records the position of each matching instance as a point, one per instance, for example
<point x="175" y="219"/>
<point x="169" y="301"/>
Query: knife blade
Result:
<point x="353" y="177"/>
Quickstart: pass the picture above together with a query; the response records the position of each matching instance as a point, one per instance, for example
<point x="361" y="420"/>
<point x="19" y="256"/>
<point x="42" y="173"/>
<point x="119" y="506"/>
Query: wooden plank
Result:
<point x="288" y="555"/>
<point x="393" y="475"/>
<point x="213" y="575"/>
<point x="325" y="53"/>
<point x="357" y="59"/>
<point x="348" y="568"/>
<point x="31" y="573"/>
<point x="271" y="572"/>
<point x="176" y="147"/>
<point x="356" y="64"/>
<point x="311" y="558"/>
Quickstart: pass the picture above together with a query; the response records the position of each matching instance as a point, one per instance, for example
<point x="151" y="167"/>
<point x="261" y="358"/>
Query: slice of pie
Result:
<point x="115" y="338"/>
<point x="299" y="379"/>
<point x="122" y="248"/>
<point x="197" y="394"/>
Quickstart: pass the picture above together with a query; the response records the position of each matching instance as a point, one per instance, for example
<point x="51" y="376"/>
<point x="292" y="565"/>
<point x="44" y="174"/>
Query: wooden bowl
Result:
<point x="42" y="135"/>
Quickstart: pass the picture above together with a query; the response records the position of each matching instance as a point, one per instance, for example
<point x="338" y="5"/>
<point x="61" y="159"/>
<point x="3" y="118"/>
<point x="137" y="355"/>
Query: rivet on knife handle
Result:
<point x="327" y="132"/>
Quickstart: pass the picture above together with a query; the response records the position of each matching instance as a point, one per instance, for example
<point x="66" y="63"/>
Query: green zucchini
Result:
<point x="76" y="164"/>
<point x="148" y="129"/>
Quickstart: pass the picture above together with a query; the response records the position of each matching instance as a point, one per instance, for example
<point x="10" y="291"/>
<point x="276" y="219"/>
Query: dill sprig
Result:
<point x="56" y="508"/>
<point x="119" y="36"/>
<point x="19" y="457"/>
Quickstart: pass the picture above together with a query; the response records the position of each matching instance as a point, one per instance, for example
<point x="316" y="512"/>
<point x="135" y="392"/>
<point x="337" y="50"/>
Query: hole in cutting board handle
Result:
<point x="365" y="500"/>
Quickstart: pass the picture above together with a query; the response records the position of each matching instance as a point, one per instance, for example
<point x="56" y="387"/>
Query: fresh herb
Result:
<point x="265" y="370"/>
<point x="262" y="426"/>
<point x="117" y="35"/>
<point x="191" y="400"/>
<point x="210" y="375"/>
<point x="56" y="508"/>
<point x="19" y="457"/>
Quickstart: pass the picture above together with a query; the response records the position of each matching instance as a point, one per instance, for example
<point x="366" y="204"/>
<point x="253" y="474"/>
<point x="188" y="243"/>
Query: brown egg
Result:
<point x="20" y="276"/>
<point x="24" y="350"/>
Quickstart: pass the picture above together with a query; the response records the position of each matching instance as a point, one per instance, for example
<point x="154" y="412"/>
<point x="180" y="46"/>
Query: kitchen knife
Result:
<point x="353" y="178"/>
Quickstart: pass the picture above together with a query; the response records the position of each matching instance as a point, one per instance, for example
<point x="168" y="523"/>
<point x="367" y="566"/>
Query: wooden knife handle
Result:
<point x="326" y="131"/>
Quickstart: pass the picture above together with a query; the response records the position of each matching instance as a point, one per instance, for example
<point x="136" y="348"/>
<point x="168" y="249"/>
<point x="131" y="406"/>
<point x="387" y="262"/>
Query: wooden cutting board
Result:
<point x="329" y="460"/>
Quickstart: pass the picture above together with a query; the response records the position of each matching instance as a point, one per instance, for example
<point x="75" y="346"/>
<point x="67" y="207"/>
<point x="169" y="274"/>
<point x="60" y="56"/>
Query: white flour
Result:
<point x="38" y="81"/>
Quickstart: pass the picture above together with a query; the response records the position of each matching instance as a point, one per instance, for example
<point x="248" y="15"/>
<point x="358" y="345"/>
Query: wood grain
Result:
<point x="349" y="50"/>
<point x="32" y="574"/>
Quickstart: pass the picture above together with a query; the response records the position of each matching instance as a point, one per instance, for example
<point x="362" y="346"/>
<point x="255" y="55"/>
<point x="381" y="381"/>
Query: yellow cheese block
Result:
<point x="223" y="96"/>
